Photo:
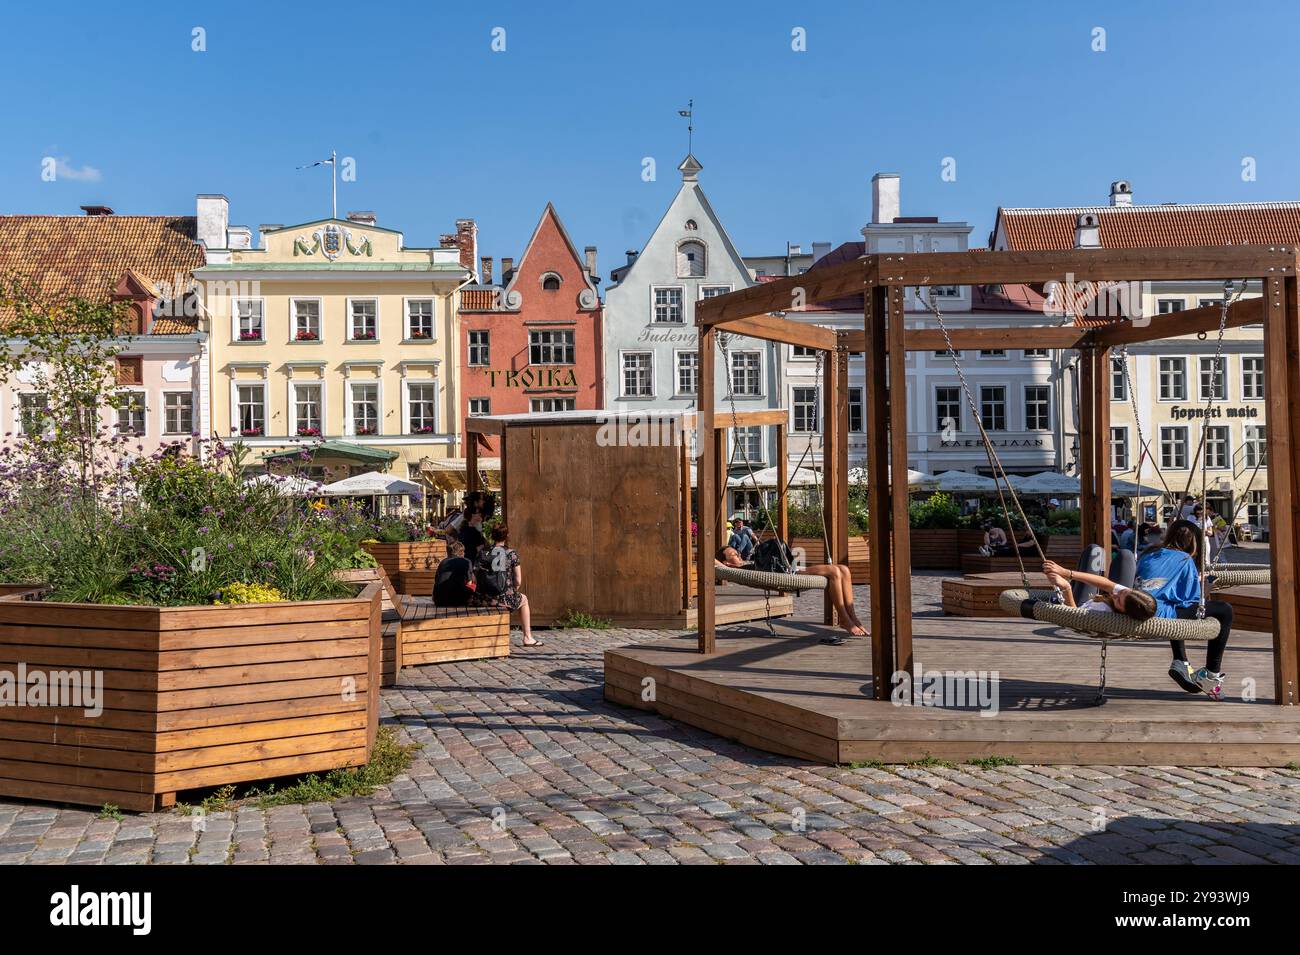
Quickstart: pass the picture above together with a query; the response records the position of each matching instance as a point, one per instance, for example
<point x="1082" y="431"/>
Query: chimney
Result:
<point x="1121" y="193"/>
<point x="820" y="249"/>
<point x="467" y="240"/>
<point x="885" y="205"/>
<point x="507" y="267"/>
<point x="362" y="218"/>
<point x="1087" y="231"/>
<point x="97" y="210"/>
<point x="213" y="221"/>
<point x="241" y="237"/>
<point x="264" y="228"/>
<point x="589" y="253"/>
<point x="487" y="270"/>
<point x="631" y="256"/>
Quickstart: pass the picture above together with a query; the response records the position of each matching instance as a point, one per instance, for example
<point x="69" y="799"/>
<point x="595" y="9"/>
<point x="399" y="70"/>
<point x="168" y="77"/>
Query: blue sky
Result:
<point x="442" y="127"/>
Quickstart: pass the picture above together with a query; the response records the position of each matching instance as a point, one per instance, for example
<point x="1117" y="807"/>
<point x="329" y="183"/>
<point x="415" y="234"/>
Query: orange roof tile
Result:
<point x="1133" y="227"/>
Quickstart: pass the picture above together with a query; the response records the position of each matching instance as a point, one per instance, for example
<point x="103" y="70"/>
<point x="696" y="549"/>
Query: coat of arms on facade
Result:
<point x="330" y="241"/>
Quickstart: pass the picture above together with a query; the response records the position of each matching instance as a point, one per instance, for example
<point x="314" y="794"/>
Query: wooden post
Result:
<point x="1101" y="470"/>
<point x="501" y="498"/>
<point x="833" y="496"/>
<point x="706" y="495"/>
<point x="720" y="482"/>
<point x="901" y="564"/>
<point x="1282" y="349"/>
<point x="1087" y="446"/>
<point x="841" y="530"/>
<point x="684" y="457"/>
<point x="782" y="528"/>
<point x="879" y="505"/>
<point x="471" y="462"/>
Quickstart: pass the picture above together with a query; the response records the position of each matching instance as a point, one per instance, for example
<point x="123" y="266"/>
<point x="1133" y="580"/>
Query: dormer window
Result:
<point x="550" y="282"/>
<point x="690" y="259"/>
<point x="691" y="225"/>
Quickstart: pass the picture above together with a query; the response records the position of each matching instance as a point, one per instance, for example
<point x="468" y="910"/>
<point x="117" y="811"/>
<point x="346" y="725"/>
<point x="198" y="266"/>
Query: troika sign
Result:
<point x="532" y="378"/>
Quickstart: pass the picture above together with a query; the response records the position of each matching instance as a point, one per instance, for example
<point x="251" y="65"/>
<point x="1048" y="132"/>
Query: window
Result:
<point x="550" y="347"/>
<point x="947" y="409"/>
<point x="1118" y="380"/>
<point x="748" y="444"/>
<point x="993" y="407"/>
<point x="1217" y="452"/>
<point x="947" y="355"/>
<point x="479" y="350"/>
<point x="1257" y="509"/>
<point x="1173" y="379"/>
<point x="710" y="291"/>
<point x="856" y="410"/>
<point x="1119" y="449"/>
<point x="306" y="319"/>
<point x="32" y="409"/>
<point x="1255" y="445"/>
<point x="480" y="406"/>
<point x="550" y="282"/>
<point x="178" y="412"/>
<point x="638" y="374"/>
<point x="130" y="369"/>
<point x="1252" y="378"/>
<point x="422" y="407"/>
<point x="747" y="374"/>
<point x="419" y="319"/>
<point x="688" y="372"/>
<point x="799" y="351"/>
<point x="993" y="353"/>
<point x="690" y="259"/>
<point x="690" y="225"/>
<point x="307" y="410"/>
<point x="668" y="305"/>
<point x="130" y="413"/>
<point x="1165" y="306"/>
<point x="1036" y="353"/>
<point x="1214" y="378"/>
<point x="250" y="410"/>
<point x="363" y="319"/>
<point x="945" y="291"/>
<point x="804" y="407"/>
<point x="1207" y="302"/>
<point x="248" y="316"/>
<point x="365" y="408"/>
<point x="537" y="405"/>
<point x="1038" y="414"/>
<point x="1173" y="447"/>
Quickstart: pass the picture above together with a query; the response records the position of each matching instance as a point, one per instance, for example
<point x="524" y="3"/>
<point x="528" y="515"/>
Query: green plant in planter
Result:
<point x="938" y="511"/>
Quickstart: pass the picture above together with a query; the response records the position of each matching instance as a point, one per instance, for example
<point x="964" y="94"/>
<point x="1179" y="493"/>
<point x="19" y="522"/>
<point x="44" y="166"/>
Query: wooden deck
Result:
<point x="795" y="696"/>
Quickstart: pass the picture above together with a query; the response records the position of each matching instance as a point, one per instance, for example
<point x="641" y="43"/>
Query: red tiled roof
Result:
<point x="1007" y="298"/>
<point x="85" y="256"/>
<point x="1133" y="227"/>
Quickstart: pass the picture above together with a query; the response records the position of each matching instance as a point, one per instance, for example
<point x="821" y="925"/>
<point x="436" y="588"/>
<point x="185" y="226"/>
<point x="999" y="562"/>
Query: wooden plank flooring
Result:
<point x="793" y="695"/>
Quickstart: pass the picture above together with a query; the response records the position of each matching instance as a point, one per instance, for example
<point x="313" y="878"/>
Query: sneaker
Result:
<point x="986" y="551"/>
<point x="1211" y="683"/>
<point x="1182" y="674"/>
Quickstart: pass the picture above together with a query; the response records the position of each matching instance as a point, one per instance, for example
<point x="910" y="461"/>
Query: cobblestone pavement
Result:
<point x="524" y="762"/>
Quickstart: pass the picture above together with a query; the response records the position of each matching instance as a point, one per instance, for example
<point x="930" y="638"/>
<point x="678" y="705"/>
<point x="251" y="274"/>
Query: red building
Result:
<point x="532" y="342"/>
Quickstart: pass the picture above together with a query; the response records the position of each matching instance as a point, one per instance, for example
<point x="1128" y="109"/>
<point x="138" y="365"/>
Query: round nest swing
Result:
<point x="1034" y="605"/>
<point x="766" y="580"/>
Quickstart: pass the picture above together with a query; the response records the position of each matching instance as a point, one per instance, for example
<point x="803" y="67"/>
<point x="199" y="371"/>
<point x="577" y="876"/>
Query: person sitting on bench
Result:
<point x="453" y="581"/>
<point x="839" y="584"/>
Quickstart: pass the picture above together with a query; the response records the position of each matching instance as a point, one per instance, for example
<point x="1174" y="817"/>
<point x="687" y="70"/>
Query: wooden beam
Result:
<point x="840" y="532"/>
<point x="1101" y="416"/>
<point x="720" y="484"/>
<point x="983" y="267"/>
<point x="1289" y="651"/>
<point x="1248" y="311"/>
<point x="1087" y="447"/>
<point x="1282" y="394"/>
<point x="684" y="458"/>
<point x="901" y="562"/>
<point x="706" y="500"/>
<point x="879" y="505"/>
<point x="776" y="328"/>
<point x="766" y="416"/>
<point x="782" y="484"/>
<point x="786" y="294"/>
<point x="832" y="492"/>
<point x="471" y="461"/>
<point x="1026" y="336"/>
<point x="485" y="425"/>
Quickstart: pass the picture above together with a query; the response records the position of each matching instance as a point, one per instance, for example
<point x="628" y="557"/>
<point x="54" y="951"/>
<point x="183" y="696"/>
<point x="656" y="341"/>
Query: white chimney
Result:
<point x="884" y="198"/>
<point x="1121" y="193"/>
<point x="820" y="249"/>
<point x="213" y="220"/>
<point x="241" y="237"/>
<point x="1087" y="231"/>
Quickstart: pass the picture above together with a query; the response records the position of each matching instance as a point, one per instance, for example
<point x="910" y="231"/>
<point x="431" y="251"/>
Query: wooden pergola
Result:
<point x="760" y="312"/>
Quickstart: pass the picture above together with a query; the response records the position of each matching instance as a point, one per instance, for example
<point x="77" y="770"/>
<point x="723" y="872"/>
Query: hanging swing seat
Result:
<point x="1236" y="578"/>
<point x="1037" y="605"/>
<point x="766" y="580"/>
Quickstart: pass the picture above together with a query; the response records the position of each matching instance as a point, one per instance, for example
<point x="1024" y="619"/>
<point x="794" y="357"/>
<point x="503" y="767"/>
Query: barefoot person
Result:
<point x="839" y="584"/>
<point x="498" y="577"/>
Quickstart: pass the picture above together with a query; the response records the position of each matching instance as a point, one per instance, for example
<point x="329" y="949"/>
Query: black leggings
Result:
<point x="1218" y="610"/>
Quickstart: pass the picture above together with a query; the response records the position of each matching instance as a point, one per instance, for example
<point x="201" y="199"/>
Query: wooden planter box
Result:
<point x="406" y="556"/>
<point x="935" y="548"/>
<point x="814" y="550"/>
<point x="192" y="697"/>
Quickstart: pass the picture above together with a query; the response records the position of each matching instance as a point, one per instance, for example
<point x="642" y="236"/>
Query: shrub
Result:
<point x="938" y="511"/>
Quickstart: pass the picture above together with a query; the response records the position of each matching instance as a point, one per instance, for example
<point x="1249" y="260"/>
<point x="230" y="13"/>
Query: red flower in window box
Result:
<point x="306" y="335"/>
<point x="423" y="429"/>
<point x="363" y="336"/>
<point x="365" y="429"/>
<point x="309" y="432"/>
<point x="250" y="336"/>
<point x="415" y="335"/>
<point x="251" y="432"/>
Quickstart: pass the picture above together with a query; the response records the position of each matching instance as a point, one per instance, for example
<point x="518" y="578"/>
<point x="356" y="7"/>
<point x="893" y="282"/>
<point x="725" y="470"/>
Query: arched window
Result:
<point x="690" y="225"/>
<point x="690" y="259"/>
<point x="550" y="282"/>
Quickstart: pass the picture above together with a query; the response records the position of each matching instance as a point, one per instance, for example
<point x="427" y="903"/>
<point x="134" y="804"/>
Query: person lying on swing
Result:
<point x="839" y="584"/>
<point x="1110" y="597"/>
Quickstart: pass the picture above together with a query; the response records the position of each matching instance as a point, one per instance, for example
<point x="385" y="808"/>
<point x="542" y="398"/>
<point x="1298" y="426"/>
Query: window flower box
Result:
<point x="250" y="336"/>
<point x="363" y="336"/>
<point x="423" y="429"/>
<point x="420" y="336"/>
<point x="365" y="429"/>
<point x="309" y="432"/>
<point x="306" y="335"/>
<point x="250" y="432"/>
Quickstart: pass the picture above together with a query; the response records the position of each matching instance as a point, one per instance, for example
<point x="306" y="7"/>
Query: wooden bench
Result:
<point x="432" y="634"/>
<point x="1064" y="550"/>
<point x="976" y="595"/>
<point x="1252" y="606"/>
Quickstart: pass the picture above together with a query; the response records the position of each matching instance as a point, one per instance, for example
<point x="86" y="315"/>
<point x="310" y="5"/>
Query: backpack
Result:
<point x="493" y="572"/>
<point x="774" y="556"/>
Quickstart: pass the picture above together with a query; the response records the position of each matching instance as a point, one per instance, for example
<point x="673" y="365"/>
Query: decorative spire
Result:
<point x="690" y="168"/>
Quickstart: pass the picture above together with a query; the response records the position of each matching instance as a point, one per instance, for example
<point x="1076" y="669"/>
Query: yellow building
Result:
<point x="333" y="336"/>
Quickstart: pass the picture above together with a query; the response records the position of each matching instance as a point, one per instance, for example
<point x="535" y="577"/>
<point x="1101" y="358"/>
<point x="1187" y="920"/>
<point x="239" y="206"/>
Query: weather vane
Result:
<point x="688" y="112"/>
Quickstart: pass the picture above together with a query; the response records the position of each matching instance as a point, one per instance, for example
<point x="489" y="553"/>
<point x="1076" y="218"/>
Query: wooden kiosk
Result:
<point x="599" y="506"/>
<point x="833" y="704"/>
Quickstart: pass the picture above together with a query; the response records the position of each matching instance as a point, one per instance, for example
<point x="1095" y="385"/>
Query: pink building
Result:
<point x="146" y="263"/>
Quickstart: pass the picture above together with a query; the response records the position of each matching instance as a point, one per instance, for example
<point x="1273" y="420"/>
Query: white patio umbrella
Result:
<point x="1050" y="483"/>
<point x="805" y="476"/>
<point x="916" y="480"/>
<point x="1122" y="488"/>
<point x="290" y="485"/>
<point x="371" y="484"/>
<point x="964" y="482"/>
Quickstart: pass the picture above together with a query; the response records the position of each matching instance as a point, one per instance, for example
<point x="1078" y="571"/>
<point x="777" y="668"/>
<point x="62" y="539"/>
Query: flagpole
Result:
<point x="334" y="177"/>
